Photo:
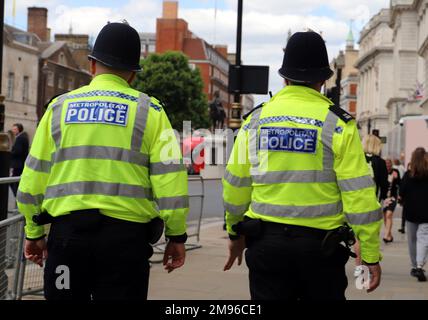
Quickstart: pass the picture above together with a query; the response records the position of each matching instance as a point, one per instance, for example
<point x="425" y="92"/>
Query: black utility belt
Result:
<point x="329" y="239"/>
<point x="293" y="230"/>
<point x="254" y="227"/>
<point x="91" y="219"/>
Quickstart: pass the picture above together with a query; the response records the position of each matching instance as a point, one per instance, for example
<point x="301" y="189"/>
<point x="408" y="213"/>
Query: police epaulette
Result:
<point x="254" y="109"/>
<point x="159" y="106"/>
<point x="52" y="99"/>
<point x="342" y="114"/>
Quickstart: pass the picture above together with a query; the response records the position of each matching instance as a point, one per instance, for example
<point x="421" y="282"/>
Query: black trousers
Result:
<point x="283" y="267"/>
<point x="16" y="172"/>
<point x="91" y="256"/>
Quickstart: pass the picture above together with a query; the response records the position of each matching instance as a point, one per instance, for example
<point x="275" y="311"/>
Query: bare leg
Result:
<point x="388" y="224"/>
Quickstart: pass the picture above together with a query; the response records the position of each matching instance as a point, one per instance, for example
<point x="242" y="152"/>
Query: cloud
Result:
<point x="264" y="35"/>
<point x="141" y="14"/>
<point x="265" y="23"/>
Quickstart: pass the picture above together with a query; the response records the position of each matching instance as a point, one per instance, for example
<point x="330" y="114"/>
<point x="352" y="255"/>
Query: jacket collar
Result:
<point x="301" y="92"/>
<point x="110" y="78"/>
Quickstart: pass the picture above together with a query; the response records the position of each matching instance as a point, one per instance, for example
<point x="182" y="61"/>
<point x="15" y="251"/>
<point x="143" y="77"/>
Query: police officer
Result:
<point x="98" y="171"/>
<point x="296" y="175"/>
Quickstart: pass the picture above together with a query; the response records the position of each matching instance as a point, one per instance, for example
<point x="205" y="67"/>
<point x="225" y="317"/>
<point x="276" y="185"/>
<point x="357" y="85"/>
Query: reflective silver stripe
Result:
<point x="140" y="122"/>
<point x="303" y="176"/>
<point x="327" y="140"/>
<point x="364" y="217"/>
<point x="96" y="187"/>
<point x="236" y="210"/>
<point x="101" y="152"/>
<point x="253" y="138"/>
<point x="163" y="168"/>
<point x="355" y="183"/>
<point x="172" y="203"/>
<point x="27" y="198"/>
<point x="38" y="165"/>
<point x="56" y="120"/>
<point x="322" y="210"/>
<point x="237" y="181"/>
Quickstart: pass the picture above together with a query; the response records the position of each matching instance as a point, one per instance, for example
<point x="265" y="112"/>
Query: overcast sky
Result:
<point x="265" y="25"/>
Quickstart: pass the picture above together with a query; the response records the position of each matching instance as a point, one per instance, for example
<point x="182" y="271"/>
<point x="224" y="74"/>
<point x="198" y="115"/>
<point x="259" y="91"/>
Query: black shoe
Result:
<point x="401" y="231"/>
<point x="413" y="272"/>
<point x="388" y="241"/>
<point x="420" y="274"/>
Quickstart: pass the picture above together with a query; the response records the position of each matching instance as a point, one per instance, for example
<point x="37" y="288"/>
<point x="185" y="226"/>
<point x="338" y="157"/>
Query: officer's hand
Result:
<point x="236" y="248"/>
<point x="375" y="275"/>
<point x="36" y="251"/>
<point x="174" y="256"/>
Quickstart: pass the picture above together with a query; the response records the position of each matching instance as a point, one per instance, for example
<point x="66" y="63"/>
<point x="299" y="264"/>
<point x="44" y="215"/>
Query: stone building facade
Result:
<point x="20" y="78"/>
<point x="393" y="65"/>
<point x="63" y="64"/>
<point x="375" y="65"/>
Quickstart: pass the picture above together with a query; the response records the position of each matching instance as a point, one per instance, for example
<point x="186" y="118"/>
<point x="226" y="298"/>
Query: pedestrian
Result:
<point x="296" y="173"/>
<point x="413" y="193"/>
<point x="98" y="171"/>
<point x="401" y="170"/>
<point x="372" y="148"/>
<point x="390" y="202"/>
<point x="19" y="153"/>
<point x="11" y="138"/>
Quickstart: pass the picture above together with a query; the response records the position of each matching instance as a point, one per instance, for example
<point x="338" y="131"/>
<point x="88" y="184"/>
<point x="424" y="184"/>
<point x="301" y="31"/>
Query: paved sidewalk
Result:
<point x="203" y="278"/>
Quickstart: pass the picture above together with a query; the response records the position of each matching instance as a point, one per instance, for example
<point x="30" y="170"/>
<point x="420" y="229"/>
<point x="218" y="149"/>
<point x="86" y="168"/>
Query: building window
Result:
<point x="352" y="107"/>
<point x="60" y="81"/>
<point x="25" y="89"/>
<point x="152" y="48"/>
<point x="353" y="89"/>
<point x="70" y="83"/>
<point x="50" y="80"/>
<point x="61" y="58"/>
<point x="10" y="85"/>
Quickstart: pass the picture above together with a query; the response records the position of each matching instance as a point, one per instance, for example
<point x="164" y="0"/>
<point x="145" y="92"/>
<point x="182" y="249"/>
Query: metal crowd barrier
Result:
<point x="19" y="277"/>
<point x="11" y="262"/>
<point x="22" y="277"/>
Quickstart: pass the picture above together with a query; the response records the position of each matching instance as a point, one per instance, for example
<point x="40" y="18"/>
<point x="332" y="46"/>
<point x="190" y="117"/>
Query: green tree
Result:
<point x="169" y="78"/>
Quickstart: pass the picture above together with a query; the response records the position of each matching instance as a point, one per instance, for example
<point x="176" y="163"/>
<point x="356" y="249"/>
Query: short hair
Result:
<point x="372" y="144"/>
<point x="19" y="126"/>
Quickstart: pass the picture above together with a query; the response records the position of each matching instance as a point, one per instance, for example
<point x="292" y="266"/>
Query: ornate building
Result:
<point x="375" y="74"/>
<point x="345" y="61"/>
<point x="19" y="79"/>
<point x="393" y="65"/>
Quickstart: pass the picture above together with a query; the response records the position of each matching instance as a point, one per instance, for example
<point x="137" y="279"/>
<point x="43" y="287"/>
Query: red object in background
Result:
<point x="189" y="145"/>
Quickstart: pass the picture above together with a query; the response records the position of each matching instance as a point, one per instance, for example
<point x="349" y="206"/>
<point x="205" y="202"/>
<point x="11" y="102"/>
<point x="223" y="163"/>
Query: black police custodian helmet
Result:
<point x="118" y="46"/>
<point x="306" y="59"/>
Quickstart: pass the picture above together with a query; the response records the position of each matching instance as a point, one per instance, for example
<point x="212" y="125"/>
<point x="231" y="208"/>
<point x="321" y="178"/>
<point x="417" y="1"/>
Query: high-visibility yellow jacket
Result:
<point x="297" y="162"/>
<point x="105" y="146"/>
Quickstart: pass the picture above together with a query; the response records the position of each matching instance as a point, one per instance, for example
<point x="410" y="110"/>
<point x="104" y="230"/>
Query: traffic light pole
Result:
<point x="238" y="50"/>
<point x="235" y="119"/>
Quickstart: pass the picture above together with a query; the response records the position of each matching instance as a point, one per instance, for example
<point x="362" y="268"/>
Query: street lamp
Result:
<point x="339" y="64"/>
